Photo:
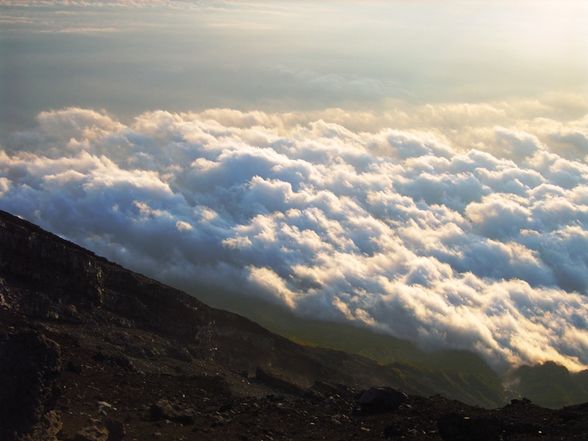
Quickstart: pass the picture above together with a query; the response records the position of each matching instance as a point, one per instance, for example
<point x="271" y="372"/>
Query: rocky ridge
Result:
<point x="92" y="351"/>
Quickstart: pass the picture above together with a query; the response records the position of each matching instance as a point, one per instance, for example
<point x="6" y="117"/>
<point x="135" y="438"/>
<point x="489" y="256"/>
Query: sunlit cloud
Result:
<point x="474" y="238"/>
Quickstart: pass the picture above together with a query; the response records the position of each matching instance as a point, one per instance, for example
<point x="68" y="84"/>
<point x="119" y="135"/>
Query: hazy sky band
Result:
<point x="132" y="56"/>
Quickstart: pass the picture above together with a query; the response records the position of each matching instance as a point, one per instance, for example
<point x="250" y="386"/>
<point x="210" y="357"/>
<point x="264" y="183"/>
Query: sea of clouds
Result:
<point x="443" y="224"/>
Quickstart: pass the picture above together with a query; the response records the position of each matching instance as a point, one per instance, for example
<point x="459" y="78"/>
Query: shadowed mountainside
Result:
<point x="459" y="374"/>
<point x="90" y="351"/>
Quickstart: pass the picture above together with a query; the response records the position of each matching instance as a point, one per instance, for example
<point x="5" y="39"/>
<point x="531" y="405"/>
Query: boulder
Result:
<point x="95" y="432"/>
<point x="381" y="400"/>
<point x="116" y="430"/>
<point x="165" y="410"/>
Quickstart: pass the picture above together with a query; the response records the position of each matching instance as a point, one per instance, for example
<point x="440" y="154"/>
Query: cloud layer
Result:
<point x="450" y="229"/>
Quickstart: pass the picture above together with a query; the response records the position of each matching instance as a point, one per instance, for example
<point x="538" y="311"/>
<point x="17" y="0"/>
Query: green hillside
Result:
<point x="461" y="375"/>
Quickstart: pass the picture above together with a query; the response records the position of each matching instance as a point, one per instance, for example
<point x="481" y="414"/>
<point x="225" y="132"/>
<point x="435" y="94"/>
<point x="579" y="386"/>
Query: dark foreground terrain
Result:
<point x="91" y="351"/>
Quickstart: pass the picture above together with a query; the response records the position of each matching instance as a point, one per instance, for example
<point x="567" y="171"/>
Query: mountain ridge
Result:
<point x="98" y="293"/>
<point x="79" y="331"/>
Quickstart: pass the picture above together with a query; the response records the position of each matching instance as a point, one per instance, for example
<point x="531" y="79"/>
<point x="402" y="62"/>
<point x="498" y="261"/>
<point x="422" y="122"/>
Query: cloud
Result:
<point x="499" y="216"/>
<point x="4" y="186"/>
<point x="480" y="245"/>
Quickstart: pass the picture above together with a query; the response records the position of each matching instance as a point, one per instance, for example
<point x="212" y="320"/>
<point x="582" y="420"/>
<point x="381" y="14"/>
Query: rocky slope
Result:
<point x="91" y="351"/>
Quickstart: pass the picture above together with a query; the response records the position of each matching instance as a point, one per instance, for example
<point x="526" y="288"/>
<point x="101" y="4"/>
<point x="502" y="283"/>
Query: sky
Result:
<point x="415" y="167"/>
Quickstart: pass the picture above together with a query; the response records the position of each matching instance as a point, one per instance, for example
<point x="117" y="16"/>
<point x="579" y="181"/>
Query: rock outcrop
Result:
<point x="29" y="365"/>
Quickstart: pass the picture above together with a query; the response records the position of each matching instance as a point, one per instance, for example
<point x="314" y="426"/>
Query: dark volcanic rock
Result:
<point x="129" y="341"/>
<point x="51" y="425"/>
<point x="380" y="400"/>
<point x="121" y="361"/>
<point x="166" y="410"/>
<point x="276" y="382"/>
<point x="74" y="366"/>
<point x="95" y="432"/>
<point x="29" y="364"/>
<point x="116" y="430"/>
<point x="392" y="431"/>
<point x="455" y="427"/>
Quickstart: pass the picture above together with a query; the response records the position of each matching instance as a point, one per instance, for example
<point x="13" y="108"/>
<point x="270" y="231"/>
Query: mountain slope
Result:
<point x="458" y="374"/>
<point x="87" y="346"/>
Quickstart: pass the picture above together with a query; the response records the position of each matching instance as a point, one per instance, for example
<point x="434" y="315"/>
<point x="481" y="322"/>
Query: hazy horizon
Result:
<point x="131" y="56"/>
<point x="415" y="167"/>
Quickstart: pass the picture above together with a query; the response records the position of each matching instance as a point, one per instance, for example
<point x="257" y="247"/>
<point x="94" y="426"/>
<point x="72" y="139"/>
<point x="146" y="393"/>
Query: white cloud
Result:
<point x="4" y="186"/>
<point x="499" y="216"/>
<point x="476" y="241"/>
<point x="183" y="226"/>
